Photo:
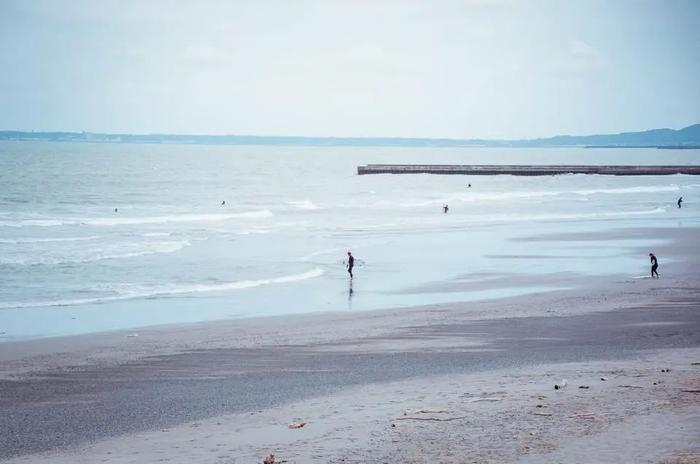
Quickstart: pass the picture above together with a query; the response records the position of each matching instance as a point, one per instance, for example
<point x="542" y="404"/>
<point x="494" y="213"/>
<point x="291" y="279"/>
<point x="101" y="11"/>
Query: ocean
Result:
<point x="97" y="237"/>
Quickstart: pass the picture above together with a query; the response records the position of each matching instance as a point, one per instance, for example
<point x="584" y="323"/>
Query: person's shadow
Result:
<point x="350" y="293"/>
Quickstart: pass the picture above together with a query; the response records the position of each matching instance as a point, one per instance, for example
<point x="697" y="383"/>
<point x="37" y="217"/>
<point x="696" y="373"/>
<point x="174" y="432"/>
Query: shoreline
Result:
<point x="250" y="331"/>
<point x="197" y="373"/>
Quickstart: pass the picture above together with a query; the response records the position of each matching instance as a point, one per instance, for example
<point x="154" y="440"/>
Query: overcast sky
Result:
<point x="468" y="68"/>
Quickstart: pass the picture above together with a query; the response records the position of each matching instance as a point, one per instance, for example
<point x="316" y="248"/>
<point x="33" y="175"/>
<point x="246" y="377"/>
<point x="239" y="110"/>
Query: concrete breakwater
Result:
<point x="525" y="170"/>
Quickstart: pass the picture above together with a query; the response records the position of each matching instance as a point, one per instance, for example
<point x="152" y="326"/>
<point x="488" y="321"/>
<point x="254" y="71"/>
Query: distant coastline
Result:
<point x="660" y="147"/>
<point x="686" y="138"/>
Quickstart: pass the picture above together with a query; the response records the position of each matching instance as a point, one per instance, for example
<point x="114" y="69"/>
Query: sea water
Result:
<point x="100" y="237"/>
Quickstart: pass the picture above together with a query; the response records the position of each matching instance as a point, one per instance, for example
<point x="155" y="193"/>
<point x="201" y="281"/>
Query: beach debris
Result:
<point x="666" y="370"/>
<point x="603" y="379"/>
<point x="540" y="406"/>
<point x="541" y="397"/>
<point x="436" y="419"/>
<point x="584" y="415"/>
<point x="691" y="391"/>
<point x="270" y="459"/>
<point x="296" y="425"/>
<point x="425" y="411"/>
<point x="478" y="400"/>
<point x="584" y="387"/>
<point x="630" y="386"/>
<point x="411" y="415"/>
<point x="545" y="414"/>
<point x="561" y="385"/>
<point x="695" y="364"/>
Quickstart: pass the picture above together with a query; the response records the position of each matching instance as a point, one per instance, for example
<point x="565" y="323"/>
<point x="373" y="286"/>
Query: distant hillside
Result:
<point x="688" y="137"/>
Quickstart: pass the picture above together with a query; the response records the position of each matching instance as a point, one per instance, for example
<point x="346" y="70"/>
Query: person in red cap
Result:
<point x="654" y="265"/>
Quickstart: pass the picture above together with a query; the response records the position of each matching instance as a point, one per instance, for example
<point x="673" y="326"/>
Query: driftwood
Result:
<point x="425" y="411"/>
<point x="296" y="425"/>
<point x="435" y="419"/>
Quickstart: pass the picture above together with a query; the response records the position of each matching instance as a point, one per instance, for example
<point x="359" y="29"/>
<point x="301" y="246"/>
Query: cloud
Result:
<point x="580" y="60"/>
<point x="204" y="54"/>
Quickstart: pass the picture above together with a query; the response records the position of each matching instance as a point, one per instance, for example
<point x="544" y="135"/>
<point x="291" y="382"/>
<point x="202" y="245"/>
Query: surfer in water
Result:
<point x="351" y="263"/>
<point x="445" y="208"/>
<point x="654" y="265"/>
<point x="680" y="200"/>
<point x="223" y="203"/>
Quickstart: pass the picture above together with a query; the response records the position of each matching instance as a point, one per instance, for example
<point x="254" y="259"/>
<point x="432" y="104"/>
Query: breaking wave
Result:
<point x="164" y="291"/>
<point x="137" y="220"/>
<point x="121" y="251"/>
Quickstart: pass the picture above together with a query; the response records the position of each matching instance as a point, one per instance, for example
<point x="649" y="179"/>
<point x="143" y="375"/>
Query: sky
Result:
<point x="406" y="68"/>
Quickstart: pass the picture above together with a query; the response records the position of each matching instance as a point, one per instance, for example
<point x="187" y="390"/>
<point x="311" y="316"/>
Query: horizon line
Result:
<point x="378" y="137"/>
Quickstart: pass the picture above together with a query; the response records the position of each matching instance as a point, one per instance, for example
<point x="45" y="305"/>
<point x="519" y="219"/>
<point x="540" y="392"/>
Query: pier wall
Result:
<point x="525" y="170"/>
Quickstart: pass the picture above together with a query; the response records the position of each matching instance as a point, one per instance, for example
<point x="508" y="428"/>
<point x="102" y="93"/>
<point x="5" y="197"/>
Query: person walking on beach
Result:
<point x="654" y="265"/>
<point x="445" y="208"/>
<point x="351" y="263"/>
<point x="680" y="200"/>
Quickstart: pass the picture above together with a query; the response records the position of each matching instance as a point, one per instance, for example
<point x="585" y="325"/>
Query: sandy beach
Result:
<point x="452" y="383"/>
<point x="342" y="232"/>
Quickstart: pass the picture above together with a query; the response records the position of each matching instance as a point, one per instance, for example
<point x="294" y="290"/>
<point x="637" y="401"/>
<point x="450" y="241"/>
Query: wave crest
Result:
<point x="137" y="220"/>
<point x="167" y="291"/>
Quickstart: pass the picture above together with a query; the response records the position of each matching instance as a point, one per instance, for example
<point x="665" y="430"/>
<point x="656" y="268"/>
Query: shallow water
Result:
<point x="173" y="253"/>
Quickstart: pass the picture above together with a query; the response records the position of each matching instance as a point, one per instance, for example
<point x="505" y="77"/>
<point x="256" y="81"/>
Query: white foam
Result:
<point x="33" y="222"/>
<point x="326" y="251"/>
<point x="456" y="220"/>
<point x="626" y="190"/>
<point x="302" y="204"/>
<point x="575" y="216"/>
<point x="119" y="220"/>
<point x="167" y="291"/>
<point x="252" y="231"/>
<point x="18" y="241"/>
<point x="472" y="197"/>
<point x="122" y="251"/>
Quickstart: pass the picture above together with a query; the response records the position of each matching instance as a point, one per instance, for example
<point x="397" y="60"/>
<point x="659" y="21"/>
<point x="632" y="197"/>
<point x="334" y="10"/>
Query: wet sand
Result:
<point x="224" y="392"/>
